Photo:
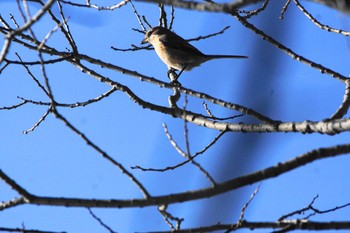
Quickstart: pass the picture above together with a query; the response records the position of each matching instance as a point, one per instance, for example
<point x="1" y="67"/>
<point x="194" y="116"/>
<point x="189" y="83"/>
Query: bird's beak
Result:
<point x="144" y="41"/>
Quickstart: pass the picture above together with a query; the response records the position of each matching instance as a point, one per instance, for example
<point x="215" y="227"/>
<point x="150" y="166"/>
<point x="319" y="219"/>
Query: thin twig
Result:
<point x="313" y="209"/>
<point x="31" y="63"/>
<point x="99" y="220"/>
<point x="184" y="162"/>
<point x="317" y="23"/>
<point x="14" y="106"/>
<point x="146" y="22"/>
<point x="88" y="5"/>
<point x="138" y="16"/>
<point x="38" y="122"/>
<point x="288" y="51"/>
<point x="172" y="18"/>
<point x="209" y="35"/>
<point x="49" y="34"/>
<point x="3" y="21"/>
<point x="72" y="105"/>
<point x="14" y="21"/>
<point x="168" y="217"/>
<point x="345" y="105"/>
<point x="67" y="31"/>
<point x="284" y="9"/>
<point x="163" y="16"/>
<point x="211" y="116"/>
<point x="251" y="13"/>
<point x="188" y="152"/>
<point x="241" y="217"/>
<point x="32" y="75"/>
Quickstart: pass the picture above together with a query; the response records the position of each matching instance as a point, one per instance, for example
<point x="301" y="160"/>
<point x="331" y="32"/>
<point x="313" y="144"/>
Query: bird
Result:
<point x="176" y="52"/>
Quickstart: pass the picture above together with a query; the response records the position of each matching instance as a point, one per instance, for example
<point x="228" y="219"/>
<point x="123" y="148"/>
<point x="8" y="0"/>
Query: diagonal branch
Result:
<point x="288" y="51"/>
<point x="27" y="25"/>
<point x="317" y="23"/>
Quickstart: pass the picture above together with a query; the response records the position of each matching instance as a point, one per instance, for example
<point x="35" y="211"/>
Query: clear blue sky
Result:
<point x="53" y="161"/>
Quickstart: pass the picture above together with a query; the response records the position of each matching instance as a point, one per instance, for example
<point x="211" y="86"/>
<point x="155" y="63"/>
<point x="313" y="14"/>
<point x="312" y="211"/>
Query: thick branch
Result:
<point x="294" y="224"/>
<point x="220" y="188"/>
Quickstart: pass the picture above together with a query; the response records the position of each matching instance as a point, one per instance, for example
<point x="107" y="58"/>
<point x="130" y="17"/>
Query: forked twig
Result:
<point x="186" y="161"/>
<point x="168" y="217"/>
<point x="313" y="209"/>
<point x="211" y="116"/>
<point x="138" y="16"/>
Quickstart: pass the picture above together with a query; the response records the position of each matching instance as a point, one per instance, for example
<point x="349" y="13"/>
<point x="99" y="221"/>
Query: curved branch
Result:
<point x="220" y="188"/>
<point x="344" y="107"/>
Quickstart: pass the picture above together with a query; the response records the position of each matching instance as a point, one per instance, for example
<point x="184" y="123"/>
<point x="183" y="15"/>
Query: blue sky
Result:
<point x="53" y="161"/>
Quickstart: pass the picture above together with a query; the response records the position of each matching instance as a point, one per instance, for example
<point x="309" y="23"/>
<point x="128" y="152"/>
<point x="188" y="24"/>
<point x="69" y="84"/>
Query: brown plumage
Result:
<point x="176" y="52"/>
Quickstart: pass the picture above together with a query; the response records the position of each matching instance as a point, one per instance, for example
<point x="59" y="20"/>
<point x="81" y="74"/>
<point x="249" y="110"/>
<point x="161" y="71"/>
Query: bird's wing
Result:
<point x="176" y="42"/>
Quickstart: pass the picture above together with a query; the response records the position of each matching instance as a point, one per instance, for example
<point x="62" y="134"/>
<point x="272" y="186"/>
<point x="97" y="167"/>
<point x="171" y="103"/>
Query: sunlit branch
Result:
<point x="326" y="127"/>
<point x="38" y="122"/>
<point x="88" y="5"/>
<point x="184" y="90"/>
<point x="11" y="203"/>
<point x="284" y="9"/>
<point x="225" y="104"/>
<point x="168" y="217"/>
<point x="344" y="107"/>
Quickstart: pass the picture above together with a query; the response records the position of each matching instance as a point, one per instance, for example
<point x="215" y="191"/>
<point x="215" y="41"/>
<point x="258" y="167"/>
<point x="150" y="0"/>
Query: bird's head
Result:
<point x="153" y="33"/>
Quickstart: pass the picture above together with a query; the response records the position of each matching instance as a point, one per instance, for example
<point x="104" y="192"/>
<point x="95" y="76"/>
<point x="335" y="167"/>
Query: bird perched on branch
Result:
<point x="176" y="52"/>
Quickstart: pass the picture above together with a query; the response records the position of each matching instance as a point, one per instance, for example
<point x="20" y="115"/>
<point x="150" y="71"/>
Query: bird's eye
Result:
<point x="150" y="32"/>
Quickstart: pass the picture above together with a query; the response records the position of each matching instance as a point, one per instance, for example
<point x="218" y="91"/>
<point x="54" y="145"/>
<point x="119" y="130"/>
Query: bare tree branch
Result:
<point x="223" y="187"/>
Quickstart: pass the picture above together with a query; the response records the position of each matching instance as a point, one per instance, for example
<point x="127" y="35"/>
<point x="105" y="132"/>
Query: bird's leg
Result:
<point x="173" y="80"/>
<point x="171" y="74"/>
<point x="178" y="76"/>
<point x="173" y="77"/>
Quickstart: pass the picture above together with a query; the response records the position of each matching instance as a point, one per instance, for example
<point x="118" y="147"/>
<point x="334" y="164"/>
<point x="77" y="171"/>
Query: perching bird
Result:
<point x="176" y="52"/>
